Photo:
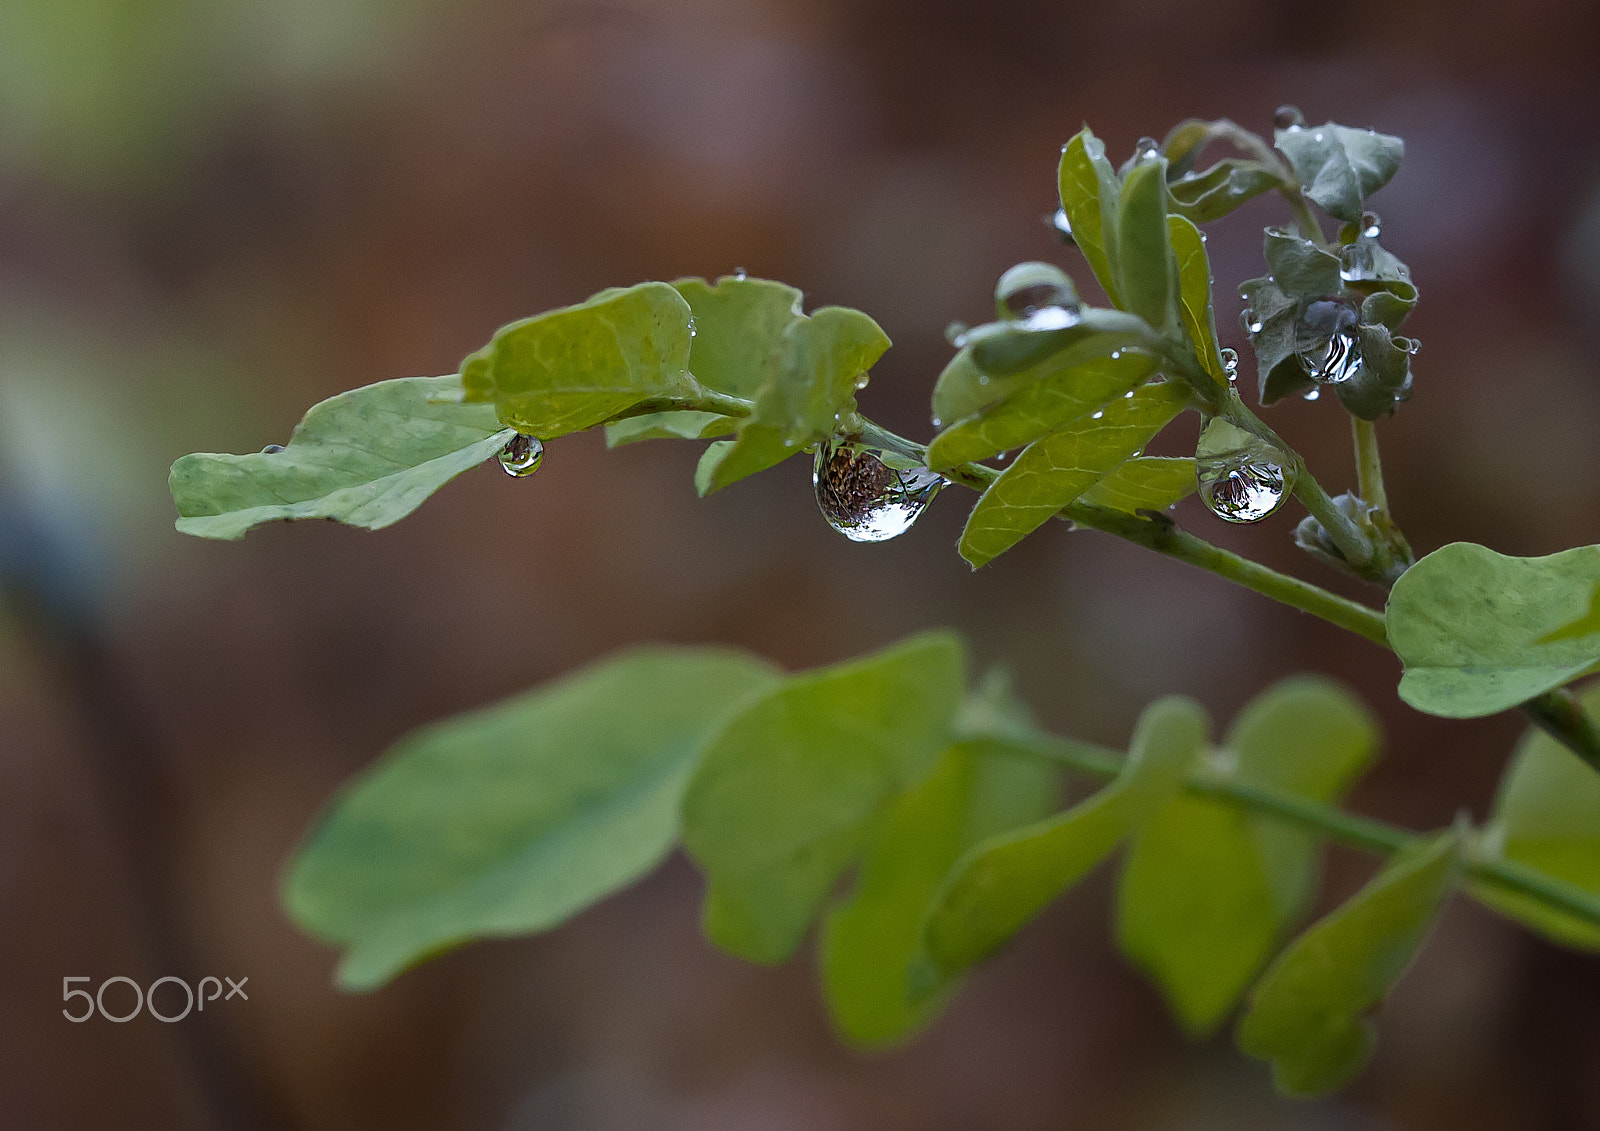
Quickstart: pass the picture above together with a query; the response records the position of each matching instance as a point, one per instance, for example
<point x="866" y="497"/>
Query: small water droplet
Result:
<point x="1241" y="477"/>
<point x="1325" y="340"/>
<point x="864" y="498"/>
<point x="1317" y="136"/>
<point x="691" y="326"/>
<point x="1230" y="363"/>
<point x="1145" y="150"/>
<point x="861" y="381"/>
<point x="271" y="448"/>
<point x="956" y="334"/>
<point x="938" y="423"/>
<point x="1115" y="354"/>
<point x="1001" y="457"/>
<point x="1062" y="225"/>
<point x="1312" y="394"/>
<point x="521" y="455"/>
<point x="1128" y="396"/>
<point x="1097" y="415"/>
<point x="1288" y="117"/>
<point x="1413" y="346"/>
<point x="1371" y="225"/>
<point x="741" y="274"/>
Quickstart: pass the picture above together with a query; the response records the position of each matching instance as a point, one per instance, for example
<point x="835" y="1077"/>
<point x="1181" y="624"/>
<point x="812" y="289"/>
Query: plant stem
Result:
<point x="1369" y="468"/>
<point x="1349" y="829"/>
<point x="706" y="400"/>
<point x="1559" y="714"/>
<point x="1303" y="218"/>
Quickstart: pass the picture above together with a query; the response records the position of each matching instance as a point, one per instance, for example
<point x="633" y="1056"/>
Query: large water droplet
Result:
<point x="864" y="498"/>
<point x="1038" y="296"/>
<point x="521" y="455"/>
<point x="1242" y="478"/>
<point x="1146" y="149"/>
<point x="1325" y="340"/>
<point x="1288" y="117"/>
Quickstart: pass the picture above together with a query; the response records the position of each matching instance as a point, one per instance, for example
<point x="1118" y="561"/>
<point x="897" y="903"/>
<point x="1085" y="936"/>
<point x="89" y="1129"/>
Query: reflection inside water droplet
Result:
<point x="521" y="455"/>
<point x="1037" y="296"/>
<point x="1242" y="478"/>
<point x="864" y="498"/>
<point x="1325" y="340"/>
<point x="1230" y="363"/>
<point x="740" y="274"/>
<point x="271" y="448"/>
<point x="1288" y="117"/>
<point x="1371" y="225"/>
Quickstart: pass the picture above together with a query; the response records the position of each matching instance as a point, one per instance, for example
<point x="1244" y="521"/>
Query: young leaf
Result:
<point x="569" y="369"/>
<point x="788" y="790"/>
<point x="1383" y="379"/>
<point x="872" y="942"/>
<point x="1338" y="166"/>
<point x="1054" y="397"/>
<point x="515" y="817"/>
<point x="999" y="886"/>
<point x="1480" y="632"/>
<point x="1147" y="271"/>
<point x="1308" y="1013"/>
<point x="367" y="458"/>
<point x="1202" y="197"/>
<point x="680" y="424"/>
<point x="1194" y="295"/>
<point x="819" y="364"/>
<point x="1209" y="888"/>
<point x="1148" y="483"/>
<point x="1547" y="816"/>
<point x="1271" y="317"/>
<point x="1089" y="198"/>
<point x="1052" y="472"/>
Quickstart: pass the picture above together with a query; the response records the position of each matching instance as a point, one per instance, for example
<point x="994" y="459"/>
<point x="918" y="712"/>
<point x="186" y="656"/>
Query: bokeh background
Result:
<point x="215" y="212"/>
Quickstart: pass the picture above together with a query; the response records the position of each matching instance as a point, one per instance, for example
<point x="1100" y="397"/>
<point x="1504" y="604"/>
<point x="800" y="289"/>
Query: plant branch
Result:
<point x="1559" y="714"/>
<point x="1303" y="218"/>
<point x="1369" y="468"/>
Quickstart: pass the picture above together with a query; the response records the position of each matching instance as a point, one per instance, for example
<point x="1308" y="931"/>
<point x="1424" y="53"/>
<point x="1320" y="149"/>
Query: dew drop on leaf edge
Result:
<point x="865" y="499"/>
<point x="521" y="455"/>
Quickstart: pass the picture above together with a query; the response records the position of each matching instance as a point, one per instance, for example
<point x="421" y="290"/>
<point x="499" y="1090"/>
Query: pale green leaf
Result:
<point x="367" y="458"/>
<point x="683" y="424"/>
<point x="513" y="818"/>
<point x="1308" y="1014"/>
<point x="1480" y="632"/>
<point x="1340" y="167"/>
<point x="1194" y="295"/>
<point x="1147" y="273"/>
<point x="1144" y="483"/>
<point x="1054" y="471"/>
<point x="1089" y="187"/>
<point x="788" y="791"/>
<point x="569" y="369"/>
<point x="738" y="325"/>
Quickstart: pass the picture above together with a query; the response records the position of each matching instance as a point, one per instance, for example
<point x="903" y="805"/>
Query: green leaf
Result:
<point x="683" y="424"/>
<point x="1299" y="267"/>
<point x="1547" y="816"/>
<point x="1194" y="296"/>
<point x="819" y="364"/>
<point x="1308" y="1013"/>
<point x="1209" y="888"/>
<point x="570" y="369"/>
<point x="1209" y="195"/>
<point x="738" y="326"/>
<point x="1370" y="268"/>
<point x="1383" y="379"/>
<point x="513" y="818"/>
<point x="1050" y="398"/>
<point x="367" y="458"/>
<point x="788" y="790"/>
<point x="999" y="886"/>
<point x="1340" y="167"/>
<point x="1274" y="315"/>
<point x="1054" y="471"/>
<point x="1149" y="483"/>
<point x="872" y="942"/>
<point x="1479" y="632"/>
<point x="1089" y="190"/>
<point x="1147" y="270"/>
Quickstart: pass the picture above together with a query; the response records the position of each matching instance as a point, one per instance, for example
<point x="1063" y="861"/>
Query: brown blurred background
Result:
<point x="215" y="212"/>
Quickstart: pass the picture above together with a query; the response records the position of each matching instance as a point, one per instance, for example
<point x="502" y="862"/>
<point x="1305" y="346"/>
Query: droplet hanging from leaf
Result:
<point x="1242" y="478"/>
<point x="1037" y="296"/>
<point x="1325" y="341"/>
<point x="864" y="496"/>
<point x="521" y="455"/>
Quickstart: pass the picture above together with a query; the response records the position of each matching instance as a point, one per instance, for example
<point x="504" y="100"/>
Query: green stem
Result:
<point x="1369" y="468"/>
<point x="1303" y="218"/>
<point x="1559" y="714"/>
<point x="1339" y="826"/>
<point x="706" y="400"/>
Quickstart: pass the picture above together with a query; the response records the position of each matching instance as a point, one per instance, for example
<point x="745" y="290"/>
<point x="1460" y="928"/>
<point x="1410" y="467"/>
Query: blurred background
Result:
<point x="215" y="212"/>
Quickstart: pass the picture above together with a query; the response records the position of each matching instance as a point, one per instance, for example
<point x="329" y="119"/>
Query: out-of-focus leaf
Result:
<point x="1209" y="888"/>
<point x="569" y="369"/>
<point x="367" y="458"/>
<point x="1151" y="483"/>
<point x="1000" y="885"/>
<point x="787" y="792"/>
<point x="1194" y="295"/>
<point x="819" y="364"/>
<point x="1479" y="632"/>
<point x="515" y="817"/>
<point x="683" y="424"/>
<point x="1089" y="189"/>
<point x="1340" y="167"/>
<point x="1308" y="1013"/>
<point x="1054" y="471"/>
<point x="1054" y="397"/>
<point x="873" y="941"/>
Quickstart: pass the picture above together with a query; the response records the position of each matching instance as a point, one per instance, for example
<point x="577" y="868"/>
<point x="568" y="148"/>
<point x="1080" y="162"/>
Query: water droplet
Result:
<point x="1242" y="478"/>
<point x="1288" y="118"/>
<point x="937" y="423"/>
<point x="1230" y="363"/>
<point x="1250" y="322"/>
<point x="691" y="326"/>
<point x="1062" y="225"/>
<point x="741" y="274"/>
<point x="1145" y="150"/>
<point x="1097" y="415"/>
<point x="1128" y="396"/>
<point x="1317" y="136"/>
<point x="1371" y="225"/>
<point x="271" y="448"/>
<point x="521" y="455"/>
<point x="1115" y="354"/>
<point x="1001" y="457"/>
<point x="1325" y="340"/>
<point x="865" y="499"/>
<point x="861" y="381"/>
<point x="1413" y="346"/>
<point x="956" y="334"/>
<point x="983" y="378"/>
<point x="1038" y="296"/>
<point x="1312" y="394"/>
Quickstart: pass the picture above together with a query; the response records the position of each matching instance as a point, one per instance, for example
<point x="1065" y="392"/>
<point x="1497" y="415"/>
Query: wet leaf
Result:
<point x="1340" y="167"/>
<point x="1479" y="632"/>
<point x="873" y="941"/>
<point x="1194" y="281"/>
<point x="366" y="458"/>
<point x="1278" y="369"/>
<point x="1383" y="379"/>
<point x="1151" y="483"/>
<point x="1308" y="1013"/>
<point x="1147" y="272"/>
<point x="569" y="369"/>
<point x="1054" y="471"/>
<point x="515" y="817"/>
<point x="1089" y="190"/>
<point x="1209" y="195"/>
<point x="1300" y="268"/>
<point x="680" y="425"/>
<point x="999" y="886"/>
<point x="1209" y="888"/>
<point x="789" y="790"/>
